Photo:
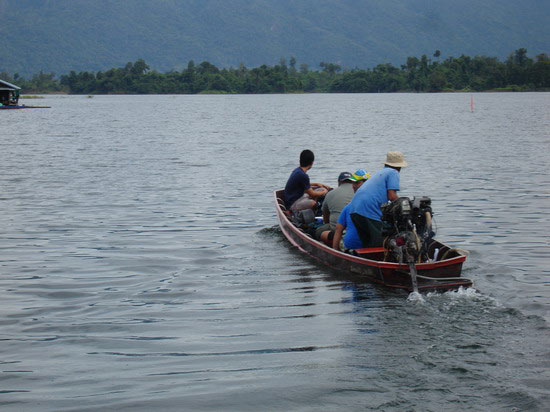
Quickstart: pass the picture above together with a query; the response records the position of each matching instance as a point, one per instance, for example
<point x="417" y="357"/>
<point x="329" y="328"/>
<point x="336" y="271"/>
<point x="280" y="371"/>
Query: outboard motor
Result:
<point x="408" y="229"/>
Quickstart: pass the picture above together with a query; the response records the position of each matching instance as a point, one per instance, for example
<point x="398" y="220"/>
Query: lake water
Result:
<point x="141" y="267"/>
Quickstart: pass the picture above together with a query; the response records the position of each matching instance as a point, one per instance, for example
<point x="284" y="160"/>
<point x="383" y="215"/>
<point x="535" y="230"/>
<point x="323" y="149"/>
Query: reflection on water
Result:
<point x="141" y="268"/>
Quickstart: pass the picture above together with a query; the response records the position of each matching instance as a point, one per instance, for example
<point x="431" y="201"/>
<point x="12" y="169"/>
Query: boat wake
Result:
<point x="452" y="296"/>
<point x="461" y="305"/>
<point x="270" y="230"/>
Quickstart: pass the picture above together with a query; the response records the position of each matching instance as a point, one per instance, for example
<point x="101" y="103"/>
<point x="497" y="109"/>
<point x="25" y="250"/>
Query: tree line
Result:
<point x="517" y="73"/>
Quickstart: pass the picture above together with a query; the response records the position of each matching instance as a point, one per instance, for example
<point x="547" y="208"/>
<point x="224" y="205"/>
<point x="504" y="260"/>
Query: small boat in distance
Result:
<point x="442" y="272"/>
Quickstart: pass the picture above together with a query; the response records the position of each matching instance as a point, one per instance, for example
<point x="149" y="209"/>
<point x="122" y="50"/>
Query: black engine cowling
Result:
<point x="408" y="229"/>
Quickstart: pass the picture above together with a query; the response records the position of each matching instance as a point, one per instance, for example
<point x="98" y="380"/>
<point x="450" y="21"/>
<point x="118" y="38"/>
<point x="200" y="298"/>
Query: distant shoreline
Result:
<point x="206" y="93"/>
<point x="464" y="74"/>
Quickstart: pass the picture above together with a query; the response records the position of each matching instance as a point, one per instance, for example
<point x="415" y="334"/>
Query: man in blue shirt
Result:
<point x="300" y="194"/>
<point x="351" y="238"/>
<point x="365" y="209"/>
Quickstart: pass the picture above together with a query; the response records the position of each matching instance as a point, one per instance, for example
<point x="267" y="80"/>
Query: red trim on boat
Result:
<point x="382" y="272"/>
<point x="347" y="256"/>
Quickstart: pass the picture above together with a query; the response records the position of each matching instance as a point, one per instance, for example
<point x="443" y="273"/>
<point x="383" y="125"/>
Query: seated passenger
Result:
<point x="334" y="202"/>
<point x="300" y="194"/>
<point x="351" y="237"/>
<point x="326" y="234"/>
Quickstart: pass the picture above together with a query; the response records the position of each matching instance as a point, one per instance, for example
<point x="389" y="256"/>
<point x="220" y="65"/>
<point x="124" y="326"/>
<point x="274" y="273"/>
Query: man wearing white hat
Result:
<point x="365" y="209"/>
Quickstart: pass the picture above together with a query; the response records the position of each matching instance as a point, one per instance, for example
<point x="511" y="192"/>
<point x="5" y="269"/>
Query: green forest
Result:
<point x="425" y="74"/>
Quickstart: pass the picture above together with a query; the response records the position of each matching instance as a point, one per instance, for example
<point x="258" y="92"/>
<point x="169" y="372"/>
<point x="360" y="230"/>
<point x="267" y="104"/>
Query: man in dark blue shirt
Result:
<point x="300" y="194"/>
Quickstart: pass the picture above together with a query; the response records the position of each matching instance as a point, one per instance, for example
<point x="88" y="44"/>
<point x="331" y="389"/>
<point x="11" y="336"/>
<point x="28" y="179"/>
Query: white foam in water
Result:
<point x="463" y="293"/>
<point x="473" y="294"/>
<point x="460" y="293"/>
<point x="415" y="297"/>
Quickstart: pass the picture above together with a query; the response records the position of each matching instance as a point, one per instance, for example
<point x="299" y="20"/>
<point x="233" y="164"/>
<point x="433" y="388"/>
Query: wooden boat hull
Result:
<point x="369" y="265"/>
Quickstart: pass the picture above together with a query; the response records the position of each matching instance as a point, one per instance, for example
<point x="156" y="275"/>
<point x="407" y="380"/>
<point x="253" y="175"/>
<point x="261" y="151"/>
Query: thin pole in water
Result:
<point x="472" y="104"/>
<point x="412" y="269"/>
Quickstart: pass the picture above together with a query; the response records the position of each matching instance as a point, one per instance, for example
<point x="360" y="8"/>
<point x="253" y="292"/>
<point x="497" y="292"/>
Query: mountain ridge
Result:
<point x="63" y="35"/>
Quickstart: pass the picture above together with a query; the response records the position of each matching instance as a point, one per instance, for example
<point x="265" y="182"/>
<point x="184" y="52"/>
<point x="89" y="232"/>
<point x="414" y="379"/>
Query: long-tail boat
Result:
<point x="441" y="271"/>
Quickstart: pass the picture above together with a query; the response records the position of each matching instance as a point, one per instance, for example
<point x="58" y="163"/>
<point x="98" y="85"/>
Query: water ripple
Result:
<point x="142" y="268"/>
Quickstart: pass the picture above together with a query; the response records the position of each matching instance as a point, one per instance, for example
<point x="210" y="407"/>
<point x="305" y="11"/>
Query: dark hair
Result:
<point x="306" y="158"/>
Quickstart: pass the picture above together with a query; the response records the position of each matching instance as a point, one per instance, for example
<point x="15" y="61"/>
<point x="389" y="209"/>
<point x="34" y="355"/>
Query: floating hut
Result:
<point x="9" y="93"/>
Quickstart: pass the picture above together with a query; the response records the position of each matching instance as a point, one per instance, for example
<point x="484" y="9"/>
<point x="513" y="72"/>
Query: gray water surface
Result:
<point x="141" y="267"/>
